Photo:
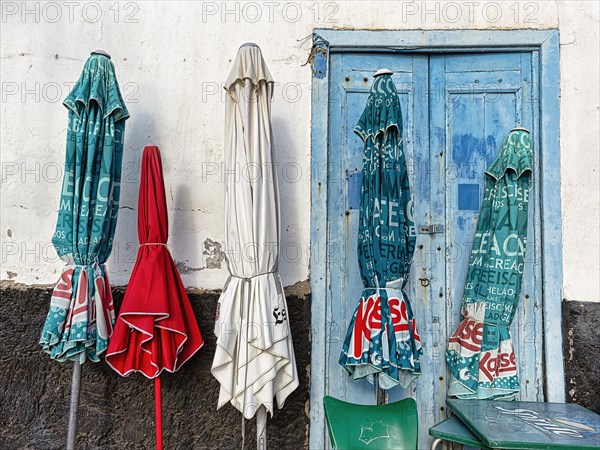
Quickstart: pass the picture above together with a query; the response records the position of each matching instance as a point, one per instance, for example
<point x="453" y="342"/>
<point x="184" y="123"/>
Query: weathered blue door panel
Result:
<point x="456" y="110"/>
<point x="350" y="81"/>
<point x="485" y="96"/>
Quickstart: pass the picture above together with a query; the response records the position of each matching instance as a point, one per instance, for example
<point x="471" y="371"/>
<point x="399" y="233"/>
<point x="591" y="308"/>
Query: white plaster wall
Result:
<point x="171" y="59"/>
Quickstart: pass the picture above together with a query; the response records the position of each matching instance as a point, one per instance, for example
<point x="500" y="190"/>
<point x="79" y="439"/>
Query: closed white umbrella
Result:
<point x="254" y="360"/>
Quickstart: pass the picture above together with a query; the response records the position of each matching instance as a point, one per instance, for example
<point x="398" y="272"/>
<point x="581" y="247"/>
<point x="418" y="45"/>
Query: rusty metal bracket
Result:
<point x="431" y="229"/>
<point x="318" y="56"/>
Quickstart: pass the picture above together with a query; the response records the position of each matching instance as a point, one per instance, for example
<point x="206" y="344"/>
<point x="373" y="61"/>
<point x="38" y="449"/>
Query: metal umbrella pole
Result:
<point x="261" y="428"/>
<point x="380" y="394"/>
<point x="158" y="413"/>
<point x="74" y="408"/>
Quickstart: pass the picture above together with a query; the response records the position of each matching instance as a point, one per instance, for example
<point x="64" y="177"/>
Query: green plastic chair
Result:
<point x="383" y="427"/>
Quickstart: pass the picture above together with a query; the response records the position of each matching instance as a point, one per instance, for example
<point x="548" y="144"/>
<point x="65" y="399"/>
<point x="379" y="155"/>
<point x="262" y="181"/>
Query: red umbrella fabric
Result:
<point x="156" y="329"/>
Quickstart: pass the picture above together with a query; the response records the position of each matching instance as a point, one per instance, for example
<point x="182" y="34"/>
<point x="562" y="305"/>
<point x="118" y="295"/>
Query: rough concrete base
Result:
<point x="581" y="349"/>
<point x="118" y="413"/>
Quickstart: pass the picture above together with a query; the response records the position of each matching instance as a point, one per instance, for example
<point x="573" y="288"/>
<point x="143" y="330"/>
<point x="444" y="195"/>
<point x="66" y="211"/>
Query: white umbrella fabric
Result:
<point x="254" y="361"/>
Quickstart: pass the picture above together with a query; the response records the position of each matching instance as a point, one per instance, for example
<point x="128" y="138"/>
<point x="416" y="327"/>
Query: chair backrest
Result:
<point x="356" y="427"/>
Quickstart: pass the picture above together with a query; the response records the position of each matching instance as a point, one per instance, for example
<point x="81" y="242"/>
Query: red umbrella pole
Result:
<point x="158" y="407"/>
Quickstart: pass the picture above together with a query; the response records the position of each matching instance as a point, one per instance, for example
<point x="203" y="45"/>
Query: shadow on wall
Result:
<point x="181" y="228"/>
<point x="292" y="178"/>
<point x="117" y="413"/>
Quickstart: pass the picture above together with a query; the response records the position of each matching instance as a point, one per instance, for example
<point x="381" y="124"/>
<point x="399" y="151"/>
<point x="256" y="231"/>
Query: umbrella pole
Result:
<point x="74" y="408"/>
<point x="158" y="407"/>
<point x="376" y="385"/>
<point x="261" y="428"/>
<point x="380" y="394"/>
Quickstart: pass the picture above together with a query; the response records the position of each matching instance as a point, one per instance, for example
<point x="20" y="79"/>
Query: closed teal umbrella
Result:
<point x="382" y="338"/>
<point x="480" y="353"/>
<point x="81" y="316"/>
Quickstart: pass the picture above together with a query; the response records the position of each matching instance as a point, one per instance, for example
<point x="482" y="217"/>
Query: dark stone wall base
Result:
<point x="118" y="413"/>
<point x="581" y="350"/>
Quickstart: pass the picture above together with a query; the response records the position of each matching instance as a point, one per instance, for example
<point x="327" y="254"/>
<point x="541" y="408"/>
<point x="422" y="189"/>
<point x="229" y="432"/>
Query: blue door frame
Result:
<point x="546" y="42"/>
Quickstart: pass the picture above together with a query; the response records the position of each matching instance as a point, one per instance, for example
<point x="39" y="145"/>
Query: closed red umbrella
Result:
<point x="156" y="329"/>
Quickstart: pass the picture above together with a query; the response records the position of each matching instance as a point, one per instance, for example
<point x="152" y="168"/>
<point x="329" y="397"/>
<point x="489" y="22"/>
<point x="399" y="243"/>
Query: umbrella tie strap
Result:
<point x="155" y="243"/>
<point x="94" y="265"/>
<point x="485" y="323"/>
<point x="488" y="323"/>
<point x="377" y="288"/>
<point x="253" y="276"/>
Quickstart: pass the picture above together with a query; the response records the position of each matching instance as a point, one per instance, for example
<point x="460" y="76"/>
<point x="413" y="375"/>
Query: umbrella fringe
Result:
<point x="81" y="315"/>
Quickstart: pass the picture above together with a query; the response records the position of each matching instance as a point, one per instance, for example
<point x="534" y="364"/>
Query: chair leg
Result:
<point x="436" y="442"/>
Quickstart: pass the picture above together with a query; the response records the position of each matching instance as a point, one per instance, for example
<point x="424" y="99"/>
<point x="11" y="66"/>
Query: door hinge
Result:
<point x="431" y="229"/>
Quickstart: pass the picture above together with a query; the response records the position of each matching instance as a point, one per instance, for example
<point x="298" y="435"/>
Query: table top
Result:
<point x="529" y="425"/>
<point x="453" y="430"/>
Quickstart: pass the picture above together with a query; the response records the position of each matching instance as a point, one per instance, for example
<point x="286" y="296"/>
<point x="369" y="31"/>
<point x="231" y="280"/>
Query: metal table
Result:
<point x="521" y="425"/>
<point x="453" y="430"/>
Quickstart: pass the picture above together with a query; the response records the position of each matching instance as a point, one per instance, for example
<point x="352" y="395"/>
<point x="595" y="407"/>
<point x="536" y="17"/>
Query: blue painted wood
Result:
<point x="347" y="80"/>
<point x="469" y="196"/>
<point x="436" y="244"/>
<point x="539" y="47"/>
<point x="354" y="186"/>
<point x="416" y="140"/>
<point x="551" y="215"/>
<point x="350" y="73"/>
<point x="435" y="40"/>
<point x="318" y="258"/>
<point x="479" y="110"/>
<point x="535" y="330"/>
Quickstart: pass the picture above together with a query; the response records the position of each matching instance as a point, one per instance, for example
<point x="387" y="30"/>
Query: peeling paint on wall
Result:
<point x="299" y="289"/>
<point x="213" y="254"/>
<point x="184" y="269"/>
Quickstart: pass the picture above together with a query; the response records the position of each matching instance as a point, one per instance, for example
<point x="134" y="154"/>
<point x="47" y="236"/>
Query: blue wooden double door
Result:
<point x="457" y="108"/>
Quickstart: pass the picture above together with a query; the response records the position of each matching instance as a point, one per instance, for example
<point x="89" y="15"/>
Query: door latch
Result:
<point x="431" y="229"/>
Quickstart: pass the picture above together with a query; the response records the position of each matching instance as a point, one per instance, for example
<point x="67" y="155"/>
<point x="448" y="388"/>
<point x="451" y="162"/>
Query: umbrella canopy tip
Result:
<point x="100" y="52"/>
<point x="383" y="72"/>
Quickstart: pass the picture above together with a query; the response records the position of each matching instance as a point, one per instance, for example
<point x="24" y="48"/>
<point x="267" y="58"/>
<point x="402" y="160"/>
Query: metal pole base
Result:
<point x="75" y="389"/>
<point x="261" y="428"/>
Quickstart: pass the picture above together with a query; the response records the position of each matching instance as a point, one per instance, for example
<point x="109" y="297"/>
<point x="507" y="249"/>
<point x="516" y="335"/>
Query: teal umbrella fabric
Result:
<point x="81" y="315"/>
<point x="382" y="338"/>
<point x="480" y="352"/>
